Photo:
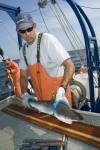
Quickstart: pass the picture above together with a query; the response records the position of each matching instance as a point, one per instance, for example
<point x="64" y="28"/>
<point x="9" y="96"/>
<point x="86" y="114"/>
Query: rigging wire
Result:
<point x="9" y="33"/>
<point x="89" y="7"/>
<point x="72" y="34"/>
<point x="61" y="22"/>
<point x="43" y="20"/>
<point x="46" y="25"/>
<point x="70" y="27"/>
<point x="62" y="26"/>
<point x="32" y="11"/>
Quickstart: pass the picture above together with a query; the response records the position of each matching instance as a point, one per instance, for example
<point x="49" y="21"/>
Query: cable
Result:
<point x="71" y="35"/>
<point x="9" y="33"/>
<point x="32" y="11"/>
<point x="43" y="20"/>
<point x="89" y="7"/>
<point x="61" y="24"/>
<point x="71" y="28"/>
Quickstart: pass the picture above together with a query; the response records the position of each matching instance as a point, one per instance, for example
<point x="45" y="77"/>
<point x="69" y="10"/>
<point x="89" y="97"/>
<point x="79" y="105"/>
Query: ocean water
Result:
<point x="5" y="91"/>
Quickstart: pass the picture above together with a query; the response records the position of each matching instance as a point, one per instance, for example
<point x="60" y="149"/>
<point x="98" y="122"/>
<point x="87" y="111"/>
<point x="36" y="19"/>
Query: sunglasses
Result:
<point x="28" y="30"/>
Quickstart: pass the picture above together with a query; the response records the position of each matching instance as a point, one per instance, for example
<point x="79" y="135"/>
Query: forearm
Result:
<point x="23" y="81"/>
<point x="69" y="70"/>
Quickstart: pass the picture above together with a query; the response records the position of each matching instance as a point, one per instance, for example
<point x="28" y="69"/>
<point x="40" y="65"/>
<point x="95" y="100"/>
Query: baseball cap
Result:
<point x="23" y="20"/>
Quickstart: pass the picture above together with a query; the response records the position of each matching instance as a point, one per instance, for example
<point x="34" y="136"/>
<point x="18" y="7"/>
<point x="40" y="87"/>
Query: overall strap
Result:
<point x="24" y="53"/>
<point x="38" y="49"/>
<point x="38" y="46"/>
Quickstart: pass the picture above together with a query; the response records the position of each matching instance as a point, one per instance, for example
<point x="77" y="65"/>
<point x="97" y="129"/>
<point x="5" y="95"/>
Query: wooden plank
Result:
<point x="81" y="131"/>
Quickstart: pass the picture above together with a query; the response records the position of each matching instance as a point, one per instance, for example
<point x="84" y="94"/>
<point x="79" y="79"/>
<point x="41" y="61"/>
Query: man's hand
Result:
<point x="60" y="98"/>
<point x="26" y="98"/>
<point x="9" y="71"/>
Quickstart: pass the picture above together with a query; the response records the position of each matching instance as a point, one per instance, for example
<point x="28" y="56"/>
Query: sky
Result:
<point x="8" y="35"/>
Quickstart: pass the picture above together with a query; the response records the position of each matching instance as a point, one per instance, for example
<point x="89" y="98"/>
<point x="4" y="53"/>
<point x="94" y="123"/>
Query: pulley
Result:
<point x="42" y="3"/>
<point x="53" y="1"/>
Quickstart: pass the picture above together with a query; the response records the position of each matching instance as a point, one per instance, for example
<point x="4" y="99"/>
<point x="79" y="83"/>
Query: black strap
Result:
<point x="24" y="54"/>
<point x="38" y="46"/>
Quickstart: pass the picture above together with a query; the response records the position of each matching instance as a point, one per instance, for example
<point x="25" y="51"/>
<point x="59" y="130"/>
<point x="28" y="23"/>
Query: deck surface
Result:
<point x="78" y="130"/>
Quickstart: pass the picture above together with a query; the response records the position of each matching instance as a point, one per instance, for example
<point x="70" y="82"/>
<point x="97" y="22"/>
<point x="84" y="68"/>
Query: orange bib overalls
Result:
<point x="15" y="75"/>
<point x="44" y="85"/>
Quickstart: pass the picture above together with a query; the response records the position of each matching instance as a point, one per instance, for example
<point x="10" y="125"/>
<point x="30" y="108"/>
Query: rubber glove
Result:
<point x="26" y="98"/>
<point x="60" y="98"/>
<point x="9" y="71"/>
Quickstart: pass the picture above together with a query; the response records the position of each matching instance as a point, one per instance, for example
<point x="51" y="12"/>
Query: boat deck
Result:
<point x="13" y="131"/>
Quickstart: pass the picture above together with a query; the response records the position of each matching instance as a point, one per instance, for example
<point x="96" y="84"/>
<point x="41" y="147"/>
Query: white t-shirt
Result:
<point x="52" y="55"/>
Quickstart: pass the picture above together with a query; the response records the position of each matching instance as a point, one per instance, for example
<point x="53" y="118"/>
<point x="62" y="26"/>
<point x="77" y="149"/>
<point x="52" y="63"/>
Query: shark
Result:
<point x="62" y="113"/>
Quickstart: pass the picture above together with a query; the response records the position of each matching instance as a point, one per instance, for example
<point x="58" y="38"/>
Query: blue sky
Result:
<point x="8" y="36"/>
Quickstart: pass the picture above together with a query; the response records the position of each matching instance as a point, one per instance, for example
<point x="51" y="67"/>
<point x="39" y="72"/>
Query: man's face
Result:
<point x="7" y="61"/>
<point x="28" y="34"/>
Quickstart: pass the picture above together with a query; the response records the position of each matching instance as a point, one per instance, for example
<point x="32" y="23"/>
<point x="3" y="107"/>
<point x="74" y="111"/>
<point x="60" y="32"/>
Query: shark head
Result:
<point x="66" y="114"/>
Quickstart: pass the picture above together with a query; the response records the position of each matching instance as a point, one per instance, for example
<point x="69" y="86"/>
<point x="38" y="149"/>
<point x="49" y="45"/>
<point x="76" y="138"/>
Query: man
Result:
<point x="13" y="75"/>
<point x="48" y="63"/>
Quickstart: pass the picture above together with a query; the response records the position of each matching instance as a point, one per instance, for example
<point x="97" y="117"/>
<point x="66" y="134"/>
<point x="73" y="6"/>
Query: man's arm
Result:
<point x="24" y="80"/>
<point x="69" y="70"/>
